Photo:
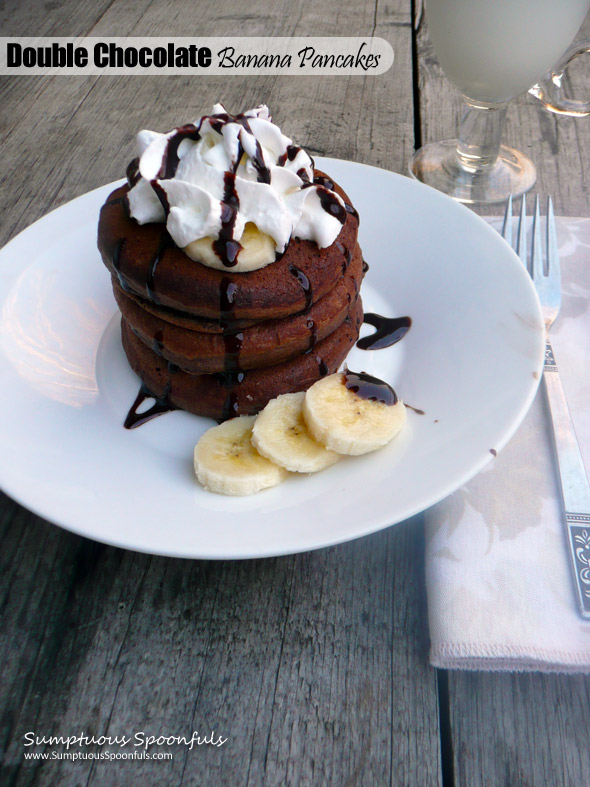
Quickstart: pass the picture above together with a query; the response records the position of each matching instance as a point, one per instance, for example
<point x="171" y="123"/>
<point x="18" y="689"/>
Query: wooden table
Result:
<point x="314" y="667"/>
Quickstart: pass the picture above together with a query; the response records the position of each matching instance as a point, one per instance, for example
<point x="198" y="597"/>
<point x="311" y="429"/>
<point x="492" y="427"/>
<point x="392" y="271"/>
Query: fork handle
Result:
<point x="575" y="489"/>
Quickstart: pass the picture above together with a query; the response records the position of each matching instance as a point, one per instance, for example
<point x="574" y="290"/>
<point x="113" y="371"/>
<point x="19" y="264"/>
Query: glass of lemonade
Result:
<point x="493" y="50"/>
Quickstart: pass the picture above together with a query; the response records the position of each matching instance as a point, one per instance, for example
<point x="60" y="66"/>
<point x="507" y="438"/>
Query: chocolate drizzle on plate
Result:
<point x="368" y="387"/>
<point x="390" y="330"/>
<point x="414" y="409"/>
<point x="161" y="405"/>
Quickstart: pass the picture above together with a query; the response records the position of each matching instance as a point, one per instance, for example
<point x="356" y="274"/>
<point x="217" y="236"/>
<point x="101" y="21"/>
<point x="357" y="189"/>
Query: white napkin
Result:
<point x="500" y="594"/>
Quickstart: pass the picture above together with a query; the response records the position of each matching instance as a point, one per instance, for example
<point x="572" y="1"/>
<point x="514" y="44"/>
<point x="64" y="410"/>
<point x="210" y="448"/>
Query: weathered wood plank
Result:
<point x="517" y="729"/>
<point x="520" y="729"/>
<point x="52" y="18"/>
<point x="313" y="666"/>
<point x="89" y="123"/>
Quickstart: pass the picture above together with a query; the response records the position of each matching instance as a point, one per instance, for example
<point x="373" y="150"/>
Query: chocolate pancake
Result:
<point x="147" y="263"/>
<point x="228" y="394"/>
<point x="264" y="344"/>
<point x="223" y="324"/>
<point x="181" y="319"/>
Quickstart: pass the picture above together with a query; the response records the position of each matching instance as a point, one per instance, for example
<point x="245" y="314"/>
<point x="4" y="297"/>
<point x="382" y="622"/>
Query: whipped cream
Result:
<point x="232" y="190"/>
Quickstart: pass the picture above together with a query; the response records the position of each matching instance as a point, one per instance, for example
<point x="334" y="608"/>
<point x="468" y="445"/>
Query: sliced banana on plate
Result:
<point x="226" y="461"/>
<point x="353" y="413"/>
<point x="280" y="434"/>
<point x="344" y="413"/>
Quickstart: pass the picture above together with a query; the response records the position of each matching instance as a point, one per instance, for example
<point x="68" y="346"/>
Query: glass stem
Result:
<point x="480" y="135"/>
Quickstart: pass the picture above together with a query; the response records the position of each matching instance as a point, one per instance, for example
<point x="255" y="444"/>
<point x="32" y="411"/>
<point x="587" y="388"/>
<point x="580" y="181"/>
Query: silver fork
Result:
<point x="575" y="490"/>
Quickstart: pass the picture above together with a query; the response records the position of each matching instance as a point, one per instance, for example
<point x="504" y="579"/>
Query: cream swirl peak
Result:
<point x="232" y="189"/>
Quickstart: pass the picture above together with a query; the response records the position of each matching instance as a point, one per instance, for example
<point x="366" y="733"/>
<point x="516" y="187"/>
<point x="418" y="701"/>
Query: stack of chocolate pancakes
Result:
<point x="221" y="344"/>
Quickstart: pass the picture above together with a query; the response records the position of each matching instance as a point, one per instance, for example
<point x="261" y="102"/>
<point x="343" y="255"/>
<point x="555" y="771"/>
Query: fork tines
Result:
<point x="536" y="266"/>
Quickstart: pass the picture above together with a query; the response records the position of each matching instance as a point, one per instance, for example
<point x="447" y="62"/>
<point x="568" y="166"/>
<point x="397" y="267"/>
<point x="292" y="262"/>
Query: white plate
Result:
<point x="471" y="361"/>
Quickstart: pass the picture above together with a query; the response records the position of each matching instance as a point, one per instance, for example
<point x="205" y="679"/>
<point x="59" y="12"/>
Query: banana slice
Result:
<point x="226" y="462"/>
<point x="352" y="413"/>
<point x="280" y="435"/>
<point x="258" y="249"/>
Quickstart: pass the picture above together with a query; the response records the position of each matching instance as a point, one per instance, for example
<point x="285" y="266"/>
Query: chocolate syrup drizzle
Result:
<point x="305" y="286"/>
<point x="171" y="159"/>
<point x="161" y="405"/>
<point x="232" y="339"/>
<point x="390" y="330"/>
<point x="322" y="180"/>
<point x="226" y="248"/>
<point x="230" y="381"/>
<point x="161" y="195"/>
<point x="313" y="335"/>
<point x="262" y="171"/>
<point x="347" y="256"/>
<point x="117" y="251"/>
<point x="368" y="387"/>
<point x="289" y="155"/>
<point x="227" y="295"/>
<point x="165" y="242"/>
<point x="132" y="172"/>
<point x="347" y="253"/>
<point x="331" y="204"/>
<point x="353" y="212"/>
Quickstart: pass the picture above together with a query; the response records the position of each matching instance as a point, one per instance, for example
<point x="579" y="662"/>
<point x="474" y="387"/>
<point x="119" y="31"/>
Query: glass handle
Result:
<point x="550" y="90"/>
